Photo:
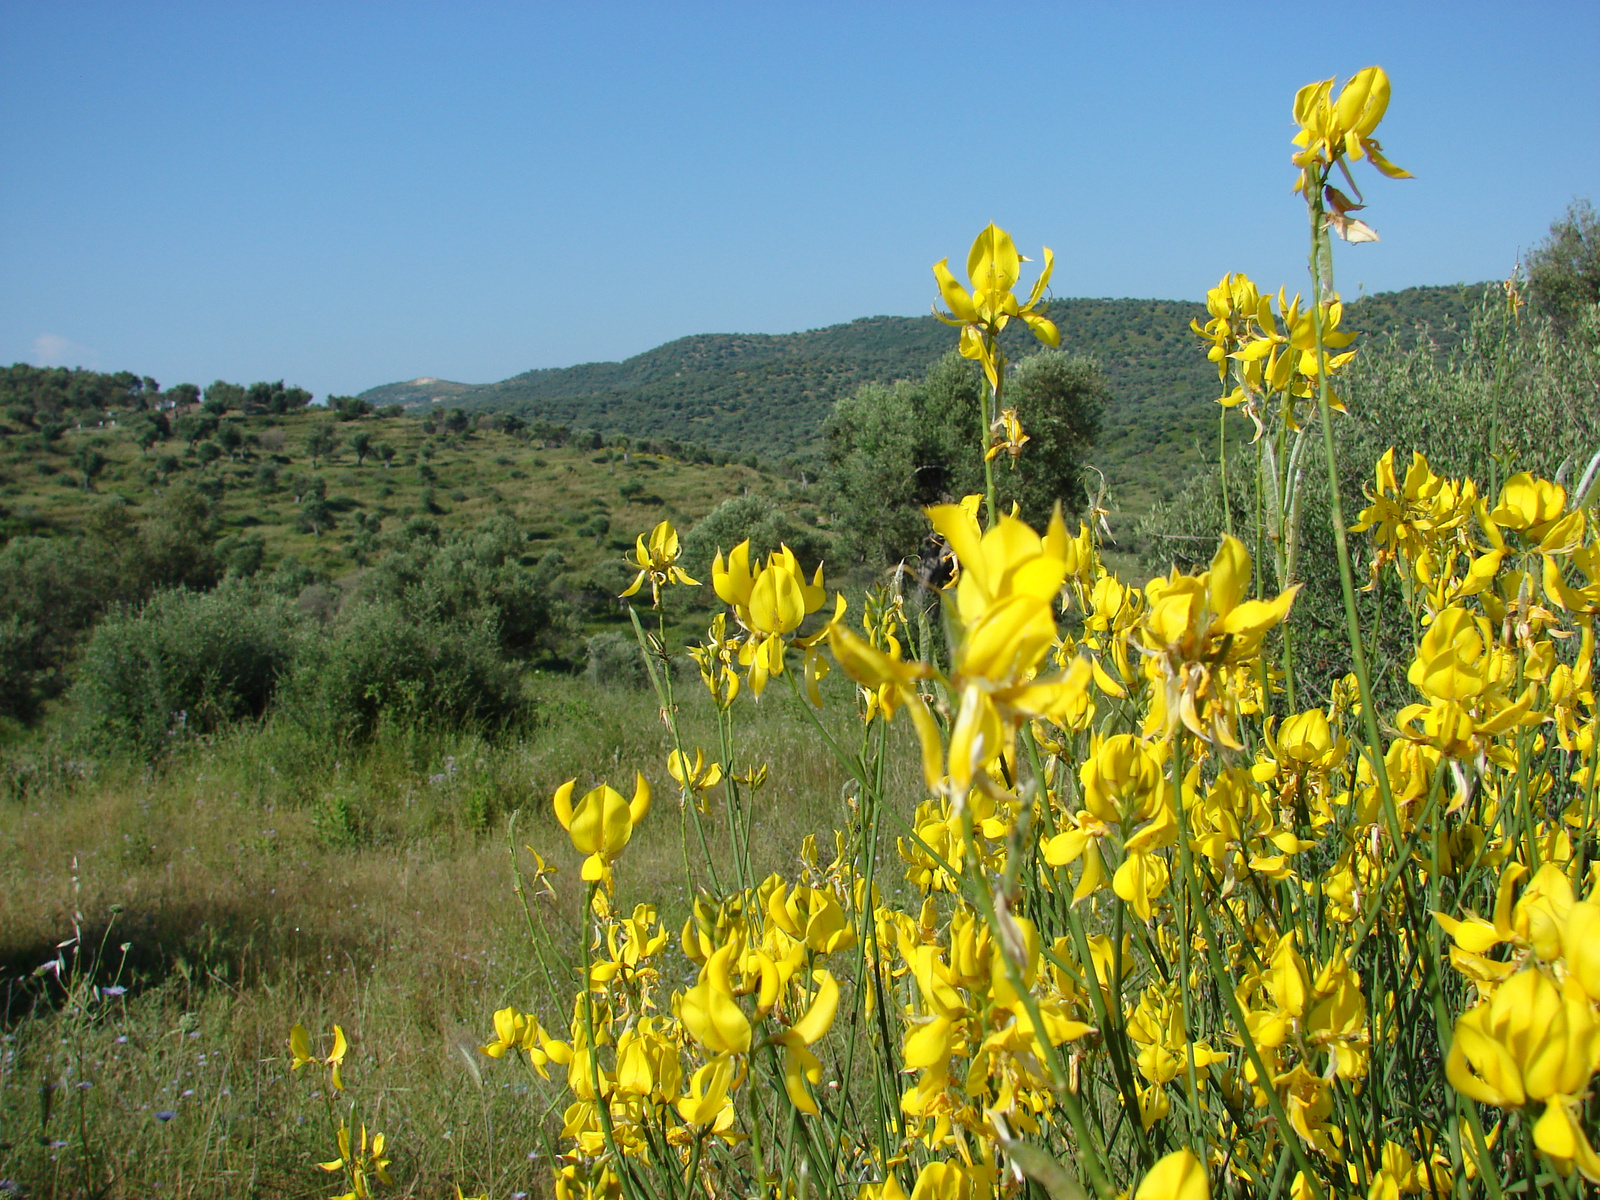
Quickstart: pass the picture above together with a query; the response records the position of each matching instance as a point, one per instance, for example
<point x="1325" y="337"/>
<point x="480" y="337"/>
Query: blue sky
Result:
<point x="343" y="195"/>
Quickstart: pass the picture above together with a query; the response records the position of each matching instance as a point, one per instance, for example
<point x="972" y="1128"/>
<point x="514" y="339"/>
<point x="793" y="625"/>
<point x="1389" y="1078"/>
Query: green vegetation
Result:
<point x="282" y="685"/>
<point x="893" y="450"/>
<point x="771" y="394"/>
<point x="112" y="490"/>
<point x="518" y="529"/>
<point x="1564" y="269"/>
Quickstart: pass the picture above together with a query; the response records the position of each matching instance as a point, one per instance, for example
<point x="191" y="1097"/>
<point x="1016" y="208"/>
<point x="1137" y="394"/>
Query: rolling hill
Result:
<point x="770" y="393"/>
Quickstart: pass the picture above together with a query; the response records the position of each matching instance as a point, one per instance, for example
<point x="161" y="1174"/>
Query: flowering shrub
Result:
<point x="1167" y="932"/>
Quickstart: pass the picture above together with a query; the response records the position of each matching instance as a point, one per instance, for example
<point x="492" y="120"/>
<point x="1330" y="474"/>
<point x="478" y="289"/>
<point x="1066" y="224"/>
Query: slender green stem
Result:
<point x="661" y="681"/>
<point x="1186" y="988"/>
<point x="1115" y="1031"/>
<point x="1380" y="770"/>
<point x="988" y="404"/>
<point x="521" y="891"/>
<point x="1222" y="467"/>
<point x="1089" y="1147"/>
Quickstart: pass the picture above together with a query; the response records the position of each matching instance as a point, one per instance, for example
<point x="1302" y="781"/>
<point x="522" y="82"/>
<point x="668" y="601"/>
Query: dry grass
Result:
<point x="262" y="881"/>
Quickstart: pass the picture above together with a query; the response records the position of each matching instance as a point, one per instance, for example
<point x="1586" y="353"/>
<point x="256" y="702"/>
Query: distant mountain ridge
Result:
<point x="770" y="393"/>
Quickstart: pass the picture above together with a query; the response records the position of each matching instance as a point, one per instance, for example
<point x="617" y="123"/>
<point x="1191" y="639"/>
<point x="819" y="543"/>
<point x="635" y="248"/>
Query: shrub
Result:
<point x="613" y="658"/>
<point x="377" y="665"/>
<point x="758" y="518"/>
<point x="1564" y="269"/>
<point x="475" y="578"/>
<point x="184" y="661"/>
<point x="894" y="449"/>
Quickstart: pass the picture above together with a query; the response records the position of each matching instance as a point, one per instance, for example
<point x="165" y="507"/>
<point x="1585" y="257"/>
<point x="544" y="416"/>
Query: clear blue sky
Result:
<point x="344" y="195"/>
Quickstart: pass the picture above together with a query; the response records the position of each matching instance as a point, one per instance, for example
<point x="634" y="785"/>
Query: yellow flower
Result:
<point x="657" y="562"/>
<point x="812" y="916"/>
<point x="770" y="602"/>
<point x="300" y="1050"/>
<point x="1452" y="660"/>
<point x="1581" y="936"/>
<point x="889" y="1189"/>
<point x="1337" y="1018"/>
<point x="1005" y="433"/>
<point x="601" y="824"/>
<point x="519" y="1031"/>
<point x="1141" y="878"/>
<point x="1238" y="311"/>
<point x="1533" y="508"/>
<point x="1407" y="518"/>
<point x="694" y="775"/>
<point x="1532" y="1041"/>
<point x="893" y="683"/>
<point x="1333" y="128"/>
<point x="798" y="1061"/>
<point x="943" y="1181"/>
<point x="772" y="599"/>
<point x="1584" y="600"/>
<point x="1121" y="778"/>
<point x="631" y="942"/>
<point x="1195" y="626"/>
<point x="710" y="1013"/>
<point x="1560" y="1135"/>
<point x="716" y="658"/>
<point x="1178" y="1176"/>
<point x="1305" y="743"/>
<point x="360" y="1163"/>
<point x="993" y="266"/>
<point x="580" y="1177"/>
<point x="1544" y="921"/>
<point x="647" y="1062"/>
<point x="707" y="1097"/>
<point x="1005" y="619"/>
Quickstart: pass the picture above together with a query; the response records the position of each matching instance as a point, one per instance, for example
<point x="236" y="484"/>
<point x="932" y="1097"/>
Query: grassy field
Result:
<point x="260" y="881"/>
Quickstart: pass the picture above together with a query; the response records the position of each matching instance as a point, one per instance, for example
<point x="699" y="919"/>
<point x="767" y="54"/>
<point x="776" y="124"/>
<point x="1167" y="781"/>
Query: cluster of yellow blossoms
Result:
<point x="1269" y="352"/>
<point x="1159" y="928"/>
<point x="1135" y="883"/>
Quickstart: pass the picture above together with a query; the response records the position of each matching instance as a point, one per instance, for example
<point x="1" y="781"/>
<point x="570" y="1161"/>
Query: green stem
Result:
<point x="1060" y="1081"/>
<point x="1185" y="938"/>
<point x="521" y="891"/>
<point x="661" y="681"/>
<point x="1222" y="466"/>
<point x="1352" y="619"/>
<point x="1319" y="250"/>
<point x="1115" y="1031"/>
<point x="986" y="411"/>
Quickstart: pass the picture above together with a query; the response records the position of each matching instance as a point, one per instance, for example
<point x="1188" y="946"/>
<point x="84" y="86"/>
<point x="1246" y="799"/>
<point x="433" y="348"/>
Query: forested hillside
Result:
<point x="769" y="393"/>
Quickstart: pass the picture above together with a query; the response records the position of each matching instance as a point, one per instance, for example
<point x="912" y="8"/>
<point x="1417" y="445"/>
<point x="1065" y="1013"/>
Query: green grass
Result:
<point x="261" y="880"/>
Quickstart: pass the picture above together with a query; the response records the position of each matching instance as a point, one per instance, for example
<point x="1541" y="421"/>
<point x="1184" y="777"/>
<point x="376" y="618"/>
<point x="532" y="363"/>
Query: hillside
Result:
<point x="741" y="392"/>
<point x="767" y="394"/>
<point x="272" y="503"/>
